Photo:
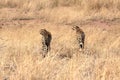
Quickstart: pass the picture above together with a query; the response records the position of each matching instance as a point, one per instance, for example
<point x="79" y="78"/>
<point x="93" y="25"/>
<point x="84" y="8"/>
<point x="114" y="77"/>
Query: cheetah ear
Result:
<point x="76" y="27"/>
<point x="44" y="29"/>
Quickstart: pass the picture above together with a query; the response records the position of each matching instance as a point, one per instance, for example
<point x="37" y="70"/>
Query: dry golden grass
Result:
<point x="20" y="41"/>
<point x="21" y="57"/>
<point x="62" y="11"/>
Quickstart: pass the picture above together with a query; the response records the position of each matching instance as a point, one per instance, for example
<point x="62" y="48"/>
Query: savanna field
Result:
<point x="20" y="40"/>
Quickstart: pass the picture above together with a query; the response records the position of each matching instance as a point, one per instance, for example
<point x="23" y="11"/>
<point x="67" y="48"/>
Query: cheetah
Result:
<point x="80" y="37"/>
<point x="46" y="40"/>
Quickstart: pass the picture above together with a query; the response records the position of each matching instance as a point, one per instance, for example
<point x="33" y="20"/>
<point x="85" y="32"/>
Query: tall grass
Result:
<point x="20" y="53"/>
<point x="83" y="4"/>
<point x="20" y="41"/>
<point x="64" y="11"/>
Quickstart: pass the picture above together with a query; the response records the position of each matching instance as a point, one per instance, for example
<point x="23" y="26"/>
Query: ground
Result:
<point x="20" y="48"/>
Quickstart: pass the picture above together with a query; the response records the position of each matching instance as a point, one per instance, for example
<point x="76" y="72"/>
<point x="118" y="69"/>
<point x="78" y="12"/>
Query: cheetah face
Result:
<point x="42" y="31"/>
<point x="75" y="28"/>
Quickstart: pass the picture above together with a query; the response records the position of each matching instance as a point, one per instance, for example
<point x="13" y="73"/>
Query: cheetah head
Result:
<point x="75" y="28"/>
<point x="42" y="31"/>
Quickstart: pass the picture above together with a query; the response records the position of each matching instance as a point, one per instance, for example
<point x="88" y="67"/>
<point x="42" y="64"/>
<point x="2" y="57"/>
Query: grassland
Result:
<point x="20" y="41"/>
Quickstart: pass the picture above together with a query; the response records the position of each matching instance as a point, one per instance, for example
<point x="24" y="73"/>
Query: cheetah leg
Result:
<point x="45" y="50"/>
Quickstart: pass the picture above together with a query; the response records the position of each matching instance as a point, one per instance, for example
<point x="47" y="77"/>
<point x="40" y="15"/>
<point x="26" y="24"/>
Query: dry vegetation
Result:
<point x="62" y="11"/>
<point x="20" y="41"/>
